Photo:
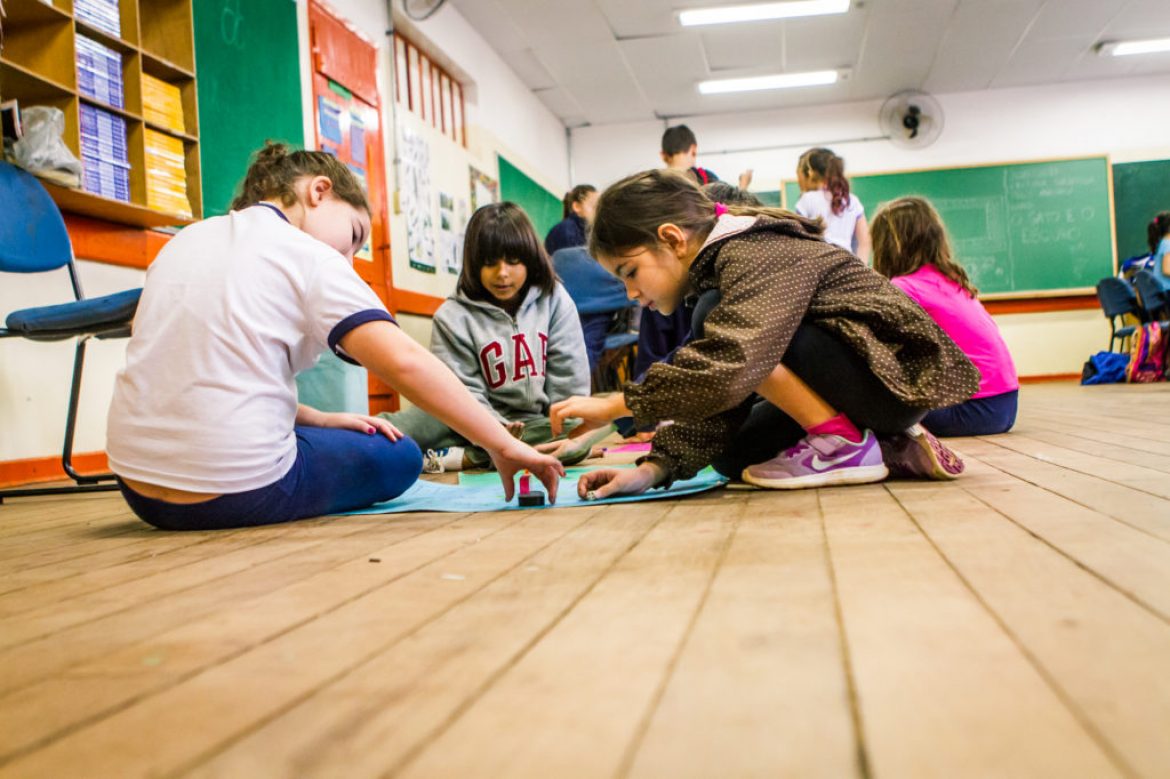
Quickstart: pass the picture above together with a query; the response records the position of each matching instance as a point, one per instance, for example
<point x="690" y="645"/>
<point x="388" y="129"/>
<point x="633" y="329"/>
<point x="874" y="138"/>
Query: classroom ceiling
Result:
<point x="607" y="61"/>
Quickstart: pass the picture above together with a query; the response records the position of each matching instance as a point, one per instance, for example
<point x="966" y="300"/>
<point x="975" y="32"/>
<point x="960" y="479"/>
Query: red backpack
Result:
<point x="1147" y="356"/>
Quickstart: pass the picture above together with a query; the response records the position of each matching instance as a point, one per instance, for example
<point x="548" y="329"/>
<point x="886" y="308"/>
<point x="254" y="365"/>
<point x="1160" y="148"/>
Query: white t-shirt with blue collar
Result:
<point x="234" y="307"/>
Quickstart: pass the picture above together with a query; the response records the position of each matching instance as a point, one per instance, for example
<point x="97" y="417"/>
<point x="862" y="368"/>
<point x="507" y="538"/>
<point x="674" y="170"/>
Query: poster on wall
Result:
<point x="450" y="235"/>
<point x="415" y="200"/>
<point x="484" y="189"/>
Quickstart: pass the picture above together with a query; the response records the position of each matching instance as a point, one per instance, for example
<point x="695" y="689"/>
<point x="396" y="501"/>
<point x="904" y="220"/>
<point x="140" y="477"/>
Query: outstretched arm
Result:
<point x="404" y="364"/>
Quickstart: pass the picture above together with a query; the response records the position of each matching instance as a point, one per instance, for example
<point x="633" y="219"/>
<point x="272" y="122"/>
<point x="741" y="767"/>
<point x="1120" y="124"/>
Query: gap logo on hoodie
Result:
<point x="495" y="367"/>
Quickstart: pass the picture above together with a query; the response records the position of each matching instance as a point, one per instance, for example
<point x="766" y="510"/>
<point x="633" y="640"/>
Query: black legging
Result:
<point x="833" y="371"/>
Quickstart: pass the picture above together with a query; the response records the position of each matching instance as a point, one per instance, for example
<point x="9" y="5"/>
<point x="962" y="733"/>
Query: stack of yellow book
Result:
<point x="162" y="104"/>
<point x="166" y="174"/>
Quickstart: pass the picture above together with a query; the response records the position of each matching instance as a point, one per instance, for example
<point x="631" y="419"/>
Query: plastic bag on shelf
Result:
<point x="42" y="150"/>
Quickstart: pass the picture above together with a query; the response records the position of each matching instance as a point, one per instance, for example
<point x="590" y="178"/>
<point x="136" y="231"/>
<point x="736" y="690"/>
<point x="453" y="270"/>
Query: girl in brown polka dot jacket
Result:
<point x="806" y="367"/>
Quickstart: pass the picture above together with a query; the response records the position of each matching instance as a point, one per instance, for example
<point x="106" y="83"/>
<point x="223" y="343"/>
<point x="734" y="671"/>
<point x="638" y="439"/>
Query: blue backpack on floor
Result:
<point x="1105" y="368"/>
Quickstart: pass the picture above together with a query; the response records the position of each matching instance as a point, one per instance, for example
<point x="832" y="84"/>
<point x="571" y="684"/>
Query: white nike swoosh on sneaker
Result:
<point x="821" y="464"/>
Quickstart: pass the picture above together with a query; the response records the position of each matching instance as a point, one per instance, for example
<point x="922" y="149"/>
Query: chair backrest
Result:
<point x="1117" y="297"/>
<point x="32" y="232"/>
<point x="1149" y="289"/>
<point x="592" y="288"/>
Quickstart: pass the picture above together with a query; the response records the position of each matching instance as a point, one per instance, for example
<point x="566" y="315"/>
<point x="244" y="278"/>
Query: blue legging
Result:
<point x="335" y="470"/>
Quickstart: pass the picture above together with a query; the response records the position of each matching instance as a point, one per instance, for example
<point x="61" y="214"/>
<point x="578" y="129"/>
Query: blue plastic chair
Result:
<point x="1154" y="297"/>
<point x="1118" y="300"/>
<point x="603" y="307"/>
<point x="33" y="240"/>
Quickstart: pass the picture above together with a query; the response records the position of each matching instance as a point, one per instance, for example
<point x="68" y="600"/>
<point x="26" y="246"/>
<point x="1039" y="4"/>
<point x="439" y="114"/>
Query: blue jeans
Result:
<point x="977" y="416"/>
<point x="335" y="470"/>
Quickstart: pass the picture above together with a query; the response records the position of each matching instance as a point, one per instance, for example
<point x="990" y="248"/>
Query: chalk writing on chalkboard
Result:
<point x="230" y="21"/>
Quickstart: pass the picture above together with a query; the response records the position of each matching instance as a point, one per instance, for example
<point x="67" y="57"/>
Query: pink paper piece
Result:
<point x="639" y="447"/>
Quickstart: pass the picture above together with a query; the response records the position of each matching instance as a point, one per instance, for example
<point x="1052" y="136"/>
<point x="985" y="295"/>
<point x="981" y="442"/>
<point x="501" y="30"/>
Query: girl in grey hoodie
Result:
<point x="510" y="332"/>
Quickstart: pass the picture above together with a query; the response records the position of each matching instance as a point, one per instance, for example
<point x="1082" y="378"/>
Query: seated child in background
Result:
<point x="573" y="229"/>
<point x="910" y="247"/>
<point x="660" y="335"/>
<point x="204" y="428"/>
<point x="826" y="196"/>
<point x="595" y="293"/>
<point x="510" y="333"/>
<point x="1158" y="233"/>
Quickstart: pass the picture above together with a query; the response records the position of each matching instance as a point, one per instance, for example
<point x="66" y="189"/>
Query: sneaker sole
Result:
<point x="867" y="474"/>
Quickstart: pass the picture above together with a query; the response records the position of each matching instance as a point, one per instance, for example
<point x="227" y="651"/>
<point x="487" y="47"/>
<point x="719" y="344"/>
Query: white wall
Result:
<point x="503" y="116"/>
<point x="1120" y="118"/>
<point x="35" y="377"/>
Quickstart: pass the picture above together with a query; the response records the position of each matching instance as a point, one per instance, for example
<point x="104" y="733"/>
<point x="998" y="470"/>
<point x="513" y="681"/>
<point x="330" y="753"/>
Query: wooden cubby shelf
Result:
<point x="38" y="66"/>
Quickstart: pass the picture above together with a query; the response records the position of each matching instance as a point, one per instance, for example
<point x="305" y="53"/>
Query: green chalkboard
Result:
<point x="1140" y="191"/>
<point x="543" y="207"/>
<point x="1019" y="229"/>
<point x="249" y="85"/>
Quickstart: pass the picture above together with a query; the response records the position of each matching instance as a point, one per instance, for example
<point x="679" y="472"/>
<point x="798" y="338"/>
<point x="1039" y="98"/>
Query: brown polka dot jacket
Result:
<point x="773" y="275"/>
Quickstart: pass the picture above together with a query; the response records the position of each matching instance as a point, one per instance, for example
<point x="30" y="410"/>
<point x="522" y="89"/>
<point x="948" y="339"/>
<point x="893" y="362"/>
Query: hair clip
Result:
<point x="720" y="210"/>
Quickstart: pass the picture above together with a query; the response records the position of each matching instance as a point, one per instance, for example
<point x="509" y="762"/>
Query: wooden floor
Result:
<point x="1013" y="623"/>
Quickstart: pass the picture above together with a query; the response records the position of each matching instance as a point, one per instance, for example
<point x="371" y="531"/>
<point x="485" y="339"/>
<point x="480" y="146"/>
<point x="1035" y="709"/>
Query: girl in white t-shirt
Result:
<point x="825" y="195"/>
<point x="204" y="428"/>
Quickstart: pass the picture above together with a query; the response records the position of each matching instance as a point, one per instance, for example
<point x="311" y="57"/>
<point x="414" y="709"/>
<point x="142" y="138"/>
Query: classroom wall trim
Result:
<point x="1040" y="304"/>
<point x="39" y="469"/>
<point x="114" y="244"/>
<point x="408" y="302"/>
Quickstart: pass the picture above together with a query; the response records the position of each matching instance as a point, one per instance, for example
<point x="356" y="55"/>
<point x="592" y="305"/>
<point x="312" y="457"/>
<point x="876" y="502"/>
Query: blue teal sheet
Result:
<point x="483" y="492"/>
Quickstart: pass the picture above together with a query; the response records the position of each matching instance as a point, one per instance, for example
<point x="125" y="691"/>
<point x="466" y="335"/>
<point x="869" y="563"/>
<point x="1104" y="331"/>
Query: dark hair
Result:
<point x="730" y="195"/>
<point x="907" y="234"/>
<point x="831" y="169"/>
<point x="575" y="195"/>
<point x="678" y="139"/>
<point x="503" y="231"/>
<point x="630" y="212"/>
<point x="275" y="171"/>
<point x="1157" y="229"/>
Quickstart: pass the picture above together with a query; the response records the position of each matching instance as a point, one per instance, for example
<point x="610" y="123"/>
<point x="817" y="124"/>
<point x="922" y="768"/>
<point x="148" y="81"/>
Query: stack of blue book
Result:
<point x="99" y="72"/>
<point x="102" y="14"/>
<point x="104" y="158"/>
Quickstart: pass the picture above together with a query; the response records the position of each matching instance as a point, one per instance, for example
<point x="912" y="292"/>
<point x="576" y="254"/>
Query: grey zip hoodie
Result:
<point x="516" y="367"/>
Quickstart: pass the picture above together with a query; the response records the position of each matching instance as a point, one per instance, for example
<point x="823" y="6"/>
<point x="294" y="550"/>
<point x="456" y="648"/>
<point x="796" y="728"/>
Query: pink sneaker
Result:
<point x="821" y="461"/>
<point x="918" y="454"/>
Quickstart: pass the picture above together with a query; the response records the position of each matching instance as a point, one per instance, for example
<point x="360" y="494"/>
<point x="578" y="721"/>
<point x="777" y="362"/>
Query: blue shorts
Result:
<point x="335" y="470"/>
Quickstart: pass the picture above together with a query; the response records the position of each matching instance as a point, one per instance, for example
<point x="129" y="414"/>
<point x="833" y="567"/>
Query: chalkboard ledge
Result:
<point x="1037" y="305"/>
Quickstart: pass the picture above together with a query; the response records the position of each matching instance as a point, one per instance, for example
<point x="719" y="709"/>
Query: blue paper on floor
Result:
<point x="432" y="496"/>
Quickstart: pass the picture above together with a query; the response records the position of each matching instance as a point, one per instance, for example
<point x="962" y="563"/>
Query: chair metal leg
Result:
<point x="71" y="421"/>
<point x="84" y="482"/>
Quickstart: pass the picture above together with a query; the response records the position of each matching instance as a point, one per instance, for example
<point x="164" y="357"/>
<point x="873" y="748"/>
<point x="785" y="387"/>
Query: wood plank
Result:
<point x="942" y="690"/>
<point x="1093" y="435"/>
<point x="571" y="705"/>
<point x="33" y="716"/>
<point x="1136" y="477"/>
<point x="1135" y="508"/>
<point x="1114" y="452"/>
<point x="372" y="718"/>
<point x="1066" y="619"/>
<point x="155" y="735"/>
<point x="30" y="662"/>
<point x="760" y="689"/>
<point x="1127" y="558"/>
<point x="239" y="552"/>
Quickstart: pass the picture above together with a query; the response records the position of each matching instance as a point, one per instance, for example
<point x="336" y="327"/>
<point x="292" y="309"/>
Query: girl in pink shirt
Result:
<point x="910" y="247"/>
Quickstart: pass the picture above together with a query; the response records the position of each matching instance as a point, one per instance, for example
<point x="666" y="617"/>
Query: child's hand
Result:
<point x="560" y="449"/>
<point x="515" y="429"/>
<point x="361" y="423"/>
<point x="592" y="411"/>
<point x="619" y="481"/>
<point x="520" y="456"/>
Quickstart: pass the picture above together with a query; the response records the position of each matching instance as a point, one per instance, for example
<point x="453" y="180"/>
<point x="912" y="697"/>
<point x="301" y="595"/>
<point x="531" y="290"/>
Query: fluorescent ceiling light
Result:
<point x="761" y="11"/>
<point x="775" y="81"/>
<point x="1124" y="48"/>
